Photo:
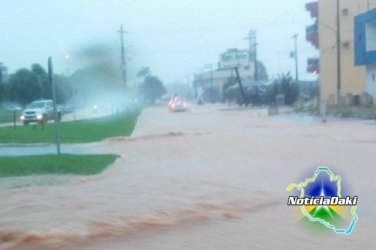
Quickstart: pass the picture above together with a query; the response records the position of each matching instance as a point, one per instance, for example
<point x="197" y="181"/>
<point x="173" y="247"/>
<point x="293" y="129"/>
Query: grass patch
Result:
<point x="73" y="132"/>
<point x="54" y="164"/>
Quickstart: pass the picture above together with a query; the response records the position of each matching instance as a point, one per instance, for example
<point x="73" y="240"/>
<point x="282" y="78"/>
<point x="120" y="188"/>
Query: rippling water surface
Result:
<point x="206" y="179"/>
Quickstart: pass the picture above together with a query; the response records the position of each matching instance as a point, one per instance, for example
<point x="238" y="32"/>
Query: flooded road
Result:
<point x="205" y="179"/>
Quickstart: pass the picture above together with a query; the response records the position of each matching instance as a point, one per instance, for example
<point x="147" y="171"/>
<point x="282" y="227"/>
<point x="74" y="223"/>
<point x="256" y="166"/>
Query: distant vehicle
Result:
<point x="177" y="105"/>
<point x="39" y="111"/>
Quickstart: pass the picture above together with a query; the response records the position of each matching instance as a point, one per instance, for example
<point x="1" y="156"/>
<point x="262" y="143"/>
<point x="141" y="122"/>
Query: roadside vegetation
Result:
<point x="72" y="132"/>
<point x="29" y="84"/>
<point x="267" y="94"/>
<point x="54" y="164"/>
<point x="95" y="82"/>
<point x="151" y="87"/>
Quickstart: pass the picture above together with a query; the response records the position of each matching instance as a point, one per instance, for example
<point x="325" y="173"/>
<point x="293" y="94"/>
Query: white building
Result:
<point x="211" y="80"/>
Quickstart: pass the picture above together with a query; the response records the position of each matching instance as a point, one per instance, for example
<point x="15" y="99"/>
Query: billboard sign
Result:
<point x="234" y="58"/>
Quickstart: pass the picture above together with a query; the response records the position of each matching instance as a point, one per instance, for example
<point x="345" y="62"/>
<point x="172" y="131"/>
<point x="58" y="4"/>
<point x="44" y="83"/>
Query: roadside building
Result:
<point x="312" y="36"/>
<point x="365" y="48"/>
<point x="210" y="81"/>
<point x="352" y="78"/>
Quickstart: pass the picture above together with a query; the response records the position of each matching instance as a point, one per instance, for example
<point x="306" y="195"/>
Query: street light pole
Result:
<point x="52" y="82"/>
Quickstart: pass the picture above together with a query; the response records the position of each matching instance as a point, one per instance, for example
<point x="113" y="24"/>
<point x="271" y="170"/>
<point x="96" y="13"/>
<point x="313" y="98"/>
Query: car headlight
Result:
<point x="22" y="117"/>
<point x="39" y="117"/>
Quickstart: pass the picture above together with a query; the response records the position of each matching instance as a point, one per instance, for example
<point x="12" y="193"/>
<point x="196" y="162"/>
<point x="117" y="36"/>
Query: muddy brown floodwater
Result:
<point x="206" y="179"/>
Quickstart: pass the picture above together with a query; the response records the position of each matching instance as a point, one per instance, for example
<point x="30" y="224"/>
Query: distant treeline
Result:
<point x="26" y="85"/>
<point x="97" y="82"/>
<point x="266" y="94"/>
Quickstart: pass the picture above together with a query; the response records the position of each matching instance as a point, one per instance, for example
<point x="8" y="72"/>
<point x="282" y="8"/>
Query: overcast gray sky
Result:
<point x="175" y="38"/>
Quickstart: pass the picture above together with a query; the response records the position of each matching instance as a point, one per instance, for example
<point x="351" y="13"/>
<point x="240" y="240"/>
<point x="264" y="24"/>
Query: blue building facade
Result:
<point x="364" y="26"/>
<point x="365" y="47"/>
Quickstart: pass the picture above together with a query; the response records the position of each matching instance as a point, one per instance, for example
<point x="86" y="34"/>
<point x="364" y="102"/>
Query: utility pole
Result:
<point x="295" y="37"/>
<point x="253" y="51"/>
<point x="242" y="93"/>
<point x="123" y="60"/>
<point x="339" y="102"/>
<point x="52" y="82"/>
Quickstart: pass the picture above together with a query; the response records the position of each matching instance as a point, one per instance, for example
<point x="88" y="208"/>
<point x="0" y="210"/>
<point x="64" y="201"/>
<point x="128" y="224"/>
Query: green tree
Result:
<point x="3" y="89"/>
<point x="3" y="71"/>
<point x="144" y="72"/>
<point x="3" y="92"/>
<point x="229" y="93"/>
<point x="271" y="91"/>
<point x="25" y="86"/>
<point x="42" y="75"/>
<point x="284" y="85"/>
<point x="152" y="88"/>
<point x="289" y="88"/>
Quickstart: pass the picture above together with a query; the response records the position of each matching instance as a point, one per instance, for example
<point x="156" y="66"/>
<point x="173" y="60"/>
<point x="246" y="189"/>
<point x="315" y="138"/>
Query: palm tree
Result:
<point x="144" y="72"/>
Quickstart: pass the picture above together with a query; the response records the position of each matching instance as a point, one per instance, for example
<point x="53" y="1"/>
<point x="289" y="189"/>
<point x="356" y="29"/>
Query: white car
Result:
<point x="39" y="111"/>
